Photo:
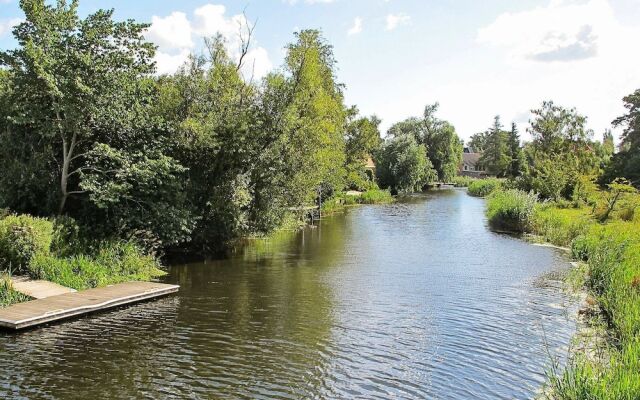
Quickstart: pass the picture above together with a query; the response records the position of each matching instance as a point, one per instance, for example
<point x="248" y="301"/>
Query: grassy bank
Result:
<point x="44" y="249"/>
<point x="611" y="248"/>
<point x="463" y="181"/>
<point x="483" y="187"/>
<point x="342" y="200"/>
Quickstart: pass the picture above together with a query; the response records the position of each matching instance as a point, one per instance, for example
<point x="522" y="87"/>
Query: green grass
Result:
<point x="463" y="181"/>
<point x="8" y="295"/>
<point x="484" y="187"/>
<point x="510" y="209"/>
<point x="113" y="263"/>
<point x="612" y="277"/>
<point x="340" y="201"/>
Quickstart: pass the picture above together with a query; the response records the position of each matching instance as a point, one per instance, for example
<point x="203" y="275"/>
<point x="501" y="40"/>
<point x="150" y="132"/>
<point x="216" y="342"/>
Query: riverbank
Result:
<point x="45" y="249"/>
<point x="342" y="200"/>
<point x="610" y="247"/>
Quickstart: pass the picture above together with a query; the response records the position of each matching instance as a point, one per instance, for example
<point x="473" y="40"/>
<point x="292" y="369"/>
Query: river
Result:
<point x="417" y="299"/>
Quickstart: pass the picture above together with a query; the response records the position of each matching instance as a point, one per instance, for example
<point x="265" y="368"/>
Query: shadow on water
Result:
<point x="416" y="299"/>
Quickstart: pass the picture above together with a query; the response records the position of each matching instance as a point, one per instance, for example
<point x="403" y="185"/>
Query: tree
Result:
<point x="444" y="147"/>
<point x="313" y="120"/>
<point x="362" y="141"/>
<point x="439" y="138"/>
<point x="72" y="78"/>
<point x="403" y="165"/>
<point x="516" y="156"/>
<point x="478" y="142"/>
<point x="561" y="152"/>
<point x="626" y="163"/>
<point x="496" y="155"/>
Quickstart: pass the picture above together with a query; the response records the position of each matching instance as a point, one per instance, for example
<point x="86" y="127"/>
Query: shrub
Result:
<point x="463" y="181"/>
<point x="511" y="209"/>
<point x="375" y="196"/>
<point x="21" y="238"/>
<point x="559" y="226"/>
<point x="484" y="187"/>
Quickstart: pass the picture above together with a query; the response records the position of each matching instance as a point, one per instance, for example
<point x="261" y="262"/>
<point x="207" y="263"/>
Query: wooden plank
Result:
<point x="39" y="289"/>
<point x="67" y="305"/>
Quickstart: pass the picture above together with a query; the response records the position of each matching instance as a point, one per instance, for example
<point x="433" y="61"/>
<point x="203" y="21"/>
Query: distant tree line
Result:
<point x="562" y="150"/>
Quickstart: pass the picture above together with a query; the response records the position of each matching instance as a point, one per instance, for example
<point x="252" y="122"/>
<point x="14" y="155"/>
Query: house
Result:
<point x="470" y="165"/>
<point x="370" y="168"/>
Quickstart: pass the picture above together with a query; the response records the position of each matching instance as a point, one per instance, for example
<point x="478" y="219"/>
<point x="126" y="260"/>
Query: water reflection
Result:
<point x="411" y="300"/>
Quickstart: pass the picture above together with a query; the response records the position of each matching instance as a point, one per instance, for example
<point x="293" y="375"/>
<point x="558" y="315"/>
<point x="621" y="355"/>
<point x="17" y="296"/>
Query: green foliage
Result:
<point x="495" y="157"/>
<point x="341" y="200"/>
<point x="375" y="196"/>
<point x="444" y="148"/>
<point x="22" y="237"/>
<point x="612" y="251"/>
<point x="626" y="163"/>
<point x="73" y="82"/>
<point x="362" y="141"/>
<point x="484" y="187"/>
<point x="561" y="152"/>
<point x="560" y="226"/>
<point x="403" y="165"/>
<point x="8" y="295"/>
<point x="113" y="263"/>
<point x="463" y="181"/>
<point x="510" y="209"/>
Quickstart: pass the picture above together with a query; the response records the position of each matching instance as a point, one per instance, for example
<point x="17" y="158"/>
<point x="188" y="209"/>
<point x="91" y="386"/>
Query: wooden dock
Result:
<point x="38" y="289"/>
<point x="67" y="305"/>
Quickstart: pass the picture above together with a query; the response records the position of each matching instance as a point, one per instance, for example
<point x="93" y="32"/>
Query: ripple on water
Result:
<point x="410" y="300"/>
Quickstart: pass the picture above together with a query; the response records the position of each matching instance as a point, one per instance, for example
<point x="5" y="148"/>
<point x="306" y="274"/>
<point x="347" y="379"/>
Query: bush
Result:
<point x="484" y="187"/>
<point x="560" y="226"/>
<point x="511" y="209"/>
<point x="21" y="238"/>
<point x="114" y="263"/>
<point x="463" y="181"/>
<point x="375" y="196"/>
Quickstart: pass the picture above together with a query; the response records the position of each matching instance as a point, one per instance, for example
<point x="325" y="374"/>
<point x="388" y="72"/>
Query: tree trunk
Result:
<point x="67" y="154"/>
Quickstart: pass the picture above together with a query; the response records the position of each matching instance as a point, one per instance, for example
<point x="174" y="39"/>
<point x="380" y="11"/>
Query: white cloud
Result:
<point x="176" y="34"/>
<point x="168" y="63"/>
<point x="356" y="28"/>
<point x="561" y="31"/>
<point x="171" y="32"/>
<point x="575" y="53"/>
<point x="395" y="20"/>
<point x="7" y="25"/>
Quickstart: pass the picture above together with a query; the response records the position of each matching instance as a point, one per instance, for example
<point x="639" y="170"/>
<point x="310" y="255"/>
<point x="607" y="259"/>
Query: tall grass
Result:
<point x="484" y="187"/>
<point x="463" y="181"/>
<point x="612" y="250"/>
<point x="8" y="295"/>
<point x="511" y="209"/>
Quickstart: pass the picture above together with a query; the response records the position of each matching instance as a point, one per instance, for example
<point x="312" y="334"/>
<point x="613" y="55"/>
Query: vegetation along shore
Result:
<point x="110" y="169"/>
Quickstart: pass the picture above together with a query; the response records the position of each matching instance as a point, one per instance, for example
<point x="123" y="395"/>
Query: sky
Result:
<point x="477" y="59"/>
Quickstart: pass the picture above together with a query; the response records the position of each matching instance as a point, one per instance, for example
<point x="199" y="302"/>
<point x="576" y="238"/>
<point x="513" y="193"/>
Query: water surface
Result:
<point x="411" y="300"/>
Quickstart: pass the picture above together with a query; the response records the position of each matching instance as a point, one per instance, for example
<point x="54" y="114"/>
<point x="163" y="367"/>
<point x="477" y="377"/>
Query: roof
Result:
<point x="471" y="158"/>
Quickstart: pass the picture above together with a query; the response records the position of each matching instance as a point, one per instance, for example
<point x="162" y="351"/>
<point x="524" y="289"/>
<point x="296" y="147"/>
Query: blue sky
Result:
<point x="477" y="58"/>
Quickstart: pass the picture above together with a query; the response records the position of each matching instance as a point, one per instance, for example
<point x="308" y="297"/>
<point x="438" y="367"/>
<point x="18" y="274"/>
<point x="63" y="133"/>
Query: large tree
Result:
<point x="495" y="157"/>
<point x="443" y="146"/>
<point x="626" y="163"/>
<point x="403" y="165"/>
<point x="561" y="151"/>
<point x="79" y="94"/>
